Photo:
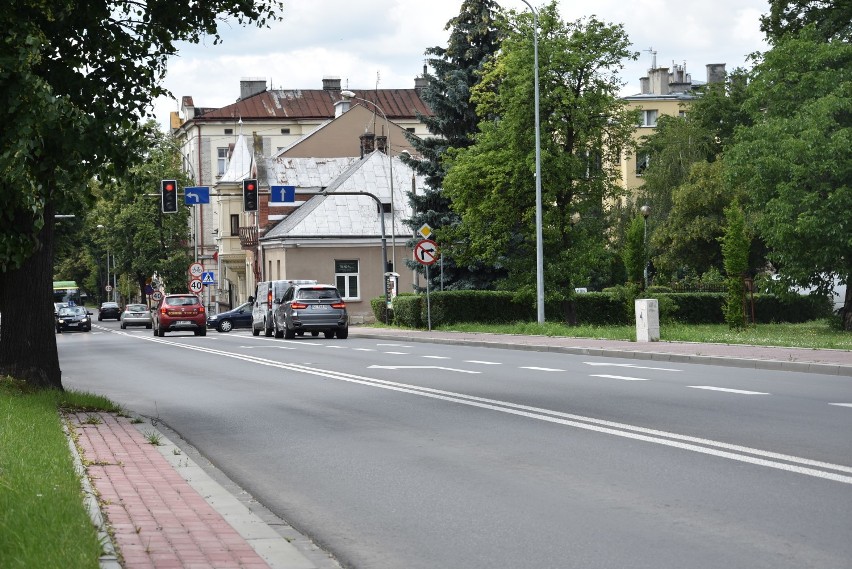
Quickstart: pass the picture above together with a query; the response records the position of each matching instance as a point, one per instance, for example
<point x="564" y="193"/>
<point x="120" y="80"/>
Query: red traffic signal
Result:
<point x="250" y="195"/>
<point x="168" y="196"/>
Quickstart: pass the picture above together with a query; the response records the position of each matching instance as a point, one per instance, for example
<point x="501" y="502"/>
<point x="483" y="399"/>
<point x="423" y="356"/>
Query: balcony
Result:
<point x="248" y="237"/>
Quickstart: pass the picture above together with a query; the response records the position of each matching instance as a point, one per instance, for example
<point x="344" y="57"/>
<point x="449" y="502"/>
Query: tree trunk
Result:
<point x="846" y="313"/>
<point x="569" y="310"/>
<point x="28" y="333"/>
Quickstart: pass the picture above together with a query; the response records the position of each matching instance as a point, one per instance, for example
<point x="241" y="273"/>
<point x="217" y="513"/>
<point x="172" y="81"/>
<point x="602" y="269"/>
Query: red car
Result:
<point x="178" y="312"/>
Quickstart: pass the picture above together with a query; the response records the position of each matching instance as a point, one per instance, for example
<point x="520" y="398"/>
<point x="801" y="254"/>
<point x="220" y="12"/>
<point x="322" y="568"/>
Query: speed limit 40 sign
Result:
<point x="196" y="286"/>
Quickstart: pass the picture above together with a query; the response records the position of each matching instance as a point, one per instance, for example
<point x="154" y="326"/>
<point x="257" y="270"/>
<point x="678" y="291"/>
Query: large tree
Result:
<point x="142" y="238"/>
<point x="584" y="124"/>
<point x="74" y="77"/>
<point x="830" y="19"/>
<point x="456" y="69"/>
<point x="796" y="160"/>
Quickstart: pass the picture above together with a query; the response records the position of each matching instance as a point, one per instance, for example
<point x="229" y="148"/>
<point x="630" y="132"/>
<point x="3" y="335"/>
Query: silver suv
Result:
<point x="311" y="308"/>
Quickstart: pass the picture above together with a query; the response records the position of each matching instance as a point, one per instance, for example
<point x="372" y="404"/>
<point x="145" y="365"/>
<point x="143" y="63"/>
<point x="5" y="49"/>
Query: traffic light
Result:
<point x="168" y="195"/>
<point x="249" y="195"/>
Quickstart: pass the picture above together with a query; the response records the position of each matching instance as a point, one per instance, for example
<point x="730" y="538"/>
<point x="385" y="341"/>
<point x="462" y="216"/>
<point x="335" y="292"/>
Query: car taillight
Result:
<point x="340" y="305"/>
<point x="163" y="310"/>
<point x="298" y="305"/>
<point x="201" y="310"/>
<point x="269" y="299"/>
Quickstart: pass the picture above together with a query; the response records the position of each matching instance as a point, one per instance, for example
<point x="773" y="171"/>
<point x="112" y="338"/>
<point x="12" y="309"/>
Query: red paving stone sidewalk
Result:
<point x="158" y="520"/>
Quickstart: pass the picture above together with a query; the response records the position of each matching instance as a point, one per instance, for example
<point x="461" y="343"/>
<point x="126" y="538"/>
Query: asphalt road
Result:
<point x="392" y="454"/>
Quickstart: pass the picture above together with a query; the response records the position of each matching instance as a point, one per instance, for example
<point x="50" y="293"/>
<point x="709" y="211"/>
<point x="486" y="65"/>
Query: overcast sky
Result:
<point x="382" y="42"/>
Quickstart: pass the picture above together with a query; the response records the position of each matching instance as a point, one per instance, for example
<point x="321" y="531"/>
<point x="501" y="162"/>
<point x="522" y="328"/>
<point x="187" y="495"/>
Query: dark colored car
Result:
<point x="177" y="312"/>
<point x="73" y="318"/>
<point x="239" y="317"/>
<point x="312" y="308"/>
<point x="109" y="310"/>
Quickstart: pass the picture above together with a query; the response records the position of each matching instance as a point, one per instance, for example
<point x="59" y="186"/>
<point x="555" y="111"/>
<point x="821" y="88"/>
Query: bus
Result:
<point x="68" y="292"/>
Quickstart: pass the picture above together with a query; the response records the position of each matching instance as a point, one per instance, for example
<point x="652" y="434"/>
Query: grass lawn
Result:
<point x="818" y="334"/>
<point x="43" y="522"/>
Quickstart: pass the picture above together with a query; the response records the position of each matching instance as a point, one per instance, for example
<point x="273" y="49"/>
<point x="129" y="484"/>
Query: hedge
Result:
<point x="593" y="308"/>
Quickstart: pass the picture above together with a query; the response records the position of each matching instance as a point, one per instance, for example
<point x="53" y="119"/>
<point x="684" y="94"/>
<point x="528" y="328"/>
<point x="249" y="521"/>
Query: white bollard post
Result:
<point x="647" y="320"/>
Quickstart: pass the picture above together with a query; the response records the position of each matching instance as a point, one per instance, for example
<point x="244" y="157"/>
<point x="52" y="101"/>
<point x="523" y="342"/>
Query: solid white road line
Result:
<point x="779" y="461"/>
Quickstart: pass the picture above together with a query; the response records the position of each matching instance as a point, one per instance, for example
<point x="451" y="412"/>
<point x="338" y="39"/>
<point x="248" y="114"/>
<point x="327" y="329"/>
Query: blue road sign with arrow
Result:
<point x="283" y="193"/>
<point x="195" y="195"/>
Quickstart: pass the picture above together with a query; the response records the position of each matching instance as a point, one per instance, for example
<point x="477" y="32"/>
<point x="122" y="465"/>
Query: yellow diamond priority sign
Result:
<point x="425" y="231"/>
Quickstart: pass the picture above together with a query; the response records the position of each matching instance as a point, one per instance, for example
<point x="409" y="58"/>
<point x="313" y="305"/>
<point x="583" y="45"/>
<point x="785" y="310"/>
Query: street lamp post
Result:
<point x="384" y="239"/>
<point x="100" y="226"/>
<point x="539" y="242"/>
<point x="646" y="211"/>
<point x="346" y="94"/>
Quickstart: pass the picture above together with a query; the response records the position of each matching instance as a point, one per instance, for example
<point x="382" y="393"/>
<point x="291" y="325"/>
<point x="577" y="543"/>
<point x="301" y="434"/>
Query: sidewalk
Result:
<point x="165" y="512"/>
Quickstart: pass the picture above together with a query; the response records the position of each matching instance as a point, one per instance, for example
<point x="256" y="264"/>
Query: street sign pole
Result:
<point x="428" y="304"/>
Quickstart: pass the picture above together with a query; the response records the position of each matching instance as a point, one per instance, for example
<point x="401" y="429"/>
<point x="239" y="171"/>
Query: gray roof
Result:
<point x="239" y="166"/>
<point x="306" y="172"/>
<point x="330" y="216"/>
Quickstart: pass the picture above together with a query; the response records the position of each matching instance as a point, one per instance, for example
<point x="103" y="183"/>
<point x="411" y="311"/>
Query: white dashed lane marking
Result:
<point x="533" y="368"/>
<point x="482" y="362"/>
<point x="726" y="390"/>
<point x="622" y="377"/>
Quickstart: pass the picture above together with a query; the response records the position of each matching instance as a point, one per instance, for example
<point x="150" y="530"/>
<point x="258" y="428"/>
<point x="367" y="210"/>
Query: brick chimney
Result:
<point x="331" y="83"/>
<point x="368" y="143"/>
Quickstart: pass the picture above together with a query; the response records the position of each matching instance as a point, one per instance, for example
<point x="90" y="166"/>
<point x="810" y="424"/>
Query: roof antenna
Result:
<point x="653" y="57"/>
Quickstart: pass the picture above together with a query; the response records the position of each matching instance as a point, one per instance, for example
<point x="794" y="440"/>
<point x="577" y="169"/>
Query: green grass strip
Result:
<point x="43" y="522"/>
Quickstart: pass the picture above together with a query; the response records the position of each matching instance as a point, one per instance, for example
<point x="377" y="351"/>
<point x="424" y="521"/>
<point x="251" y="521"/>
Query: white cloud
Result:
<point x="356" y="41"/>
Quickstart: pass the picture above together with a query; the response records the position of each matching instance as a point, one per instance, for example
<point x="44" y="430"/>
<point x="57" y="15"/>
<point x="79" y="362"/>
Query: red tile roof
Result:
<point x="316" y="104"/>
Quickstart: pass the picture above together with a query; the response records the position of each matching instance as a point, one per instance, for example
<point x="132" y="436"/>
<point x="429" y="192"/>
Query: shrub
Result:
<point x="407" y="310"/>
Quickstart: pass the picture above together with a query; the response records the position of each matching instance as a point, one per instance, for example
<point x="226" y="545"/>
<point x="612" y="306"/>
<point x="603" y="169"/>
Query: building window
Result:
<point x="681" y="114"/>
<point x="649" y="118"/>
<point x="285" y="131"/>
<point x="642" y="161"/>
<point x="221" y="160"/>
<point x="235" y="225"/>
<point x="410" y="129"/>
<point x="229" y="131"/>
<point x="346" y="278"/>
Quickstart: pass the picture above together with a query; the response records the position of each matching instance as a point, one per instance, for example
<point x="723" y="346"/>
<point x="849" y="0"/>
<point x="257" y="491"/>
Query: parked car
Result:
<point x="109" y="310"/>
<point x="267" y="297"/>
<point x="73" y="318"/>
<point x="180" y="312"/>
<point x="136" y="315"/>
<point x="239" y="317"/>
<point x="312" y="308"/>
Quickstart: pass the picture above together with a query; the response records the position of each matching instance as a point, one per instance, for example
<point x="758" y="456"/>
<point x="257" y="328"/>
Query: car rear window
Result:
<point x="181" y="300"/>
<point x="318" y="294"/>
<point x="136" y="308"/>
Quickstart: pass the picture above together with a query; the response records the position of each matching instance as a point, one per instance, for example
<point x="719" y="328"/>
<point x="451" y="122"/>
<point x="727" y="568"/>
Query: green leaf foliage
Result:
<point x="796" y="160"/>
<point x="474" y="38"/>
<point x="583" y="123"/>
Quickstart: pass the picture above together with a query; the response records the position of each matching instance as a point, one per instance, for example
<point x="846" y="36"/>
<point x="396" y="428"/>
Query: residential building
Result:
<point x="270" y="122"/>
<point x="664" y="91"/>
